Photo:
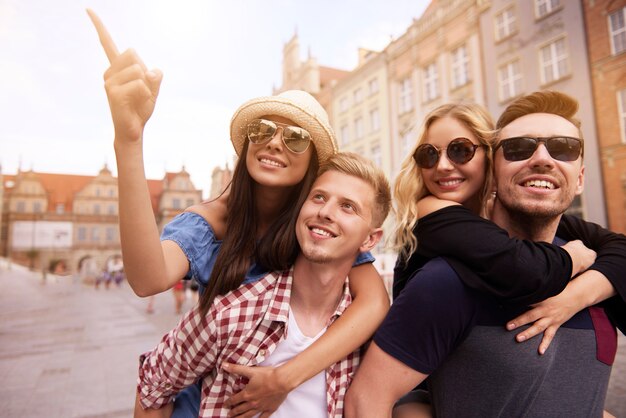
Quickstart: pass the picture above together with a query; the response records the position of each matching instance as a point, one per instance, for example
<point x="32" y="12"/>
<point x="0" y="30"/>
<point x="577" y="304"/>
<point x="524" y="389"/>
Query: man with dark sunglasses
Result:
<point x="440" y="329"/>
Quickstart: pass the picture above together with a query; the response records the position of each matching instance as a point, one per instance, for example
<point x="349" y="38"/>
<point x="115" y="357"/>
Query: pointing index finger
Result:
<point x="105" y="39"/>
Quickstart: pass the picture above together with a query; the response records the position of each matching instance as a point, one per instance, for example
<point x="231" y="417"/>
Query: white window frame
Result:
<point x="550" y="6"/>
<point x="343" y="104"/>
<point x="460" y="66"/>
<point x="373" y="86"/>
<point x="617" y="32"/>
<point x="406" y="143"/>
<point x="345" y="134"/>
<point x="359" y="127"/>
<point x="405" y="95"/>
<point x="431" y="82"/>
<point x="81" y="234"/>
<point x="376" y="155"/>
<point x="374" y="120"/>
<point x="358" y="95"/>
<point x="505" y="23"/>
<point x="95" y="234"/>
<point x="621" y="109"/>
<point x="554" y="61"/>
<point x="509" y="81"/>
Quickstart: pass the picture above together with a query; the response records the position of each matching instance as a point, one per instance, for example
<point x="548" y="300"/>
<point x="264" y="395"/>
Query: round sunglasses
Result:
<point x="296" y="139"/>
<point x="459" y="151"/>
<point x="561" y="148"/>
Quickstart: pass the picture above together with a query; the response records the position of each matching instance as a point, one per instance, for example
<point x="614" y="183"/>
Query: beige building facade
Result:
<point x="437" y="60"/>
<point x="53" y="222"/>
<point x="531" y="45"/>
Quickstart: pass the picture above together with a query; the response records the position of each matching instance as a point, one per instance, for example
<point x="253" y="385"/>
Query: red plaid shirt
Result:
<point x="243" y="327"/>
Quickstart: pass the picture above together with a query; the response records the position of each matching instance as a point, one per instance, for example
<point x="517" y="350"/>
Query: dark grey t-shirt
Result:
<point x="438" y="326"/>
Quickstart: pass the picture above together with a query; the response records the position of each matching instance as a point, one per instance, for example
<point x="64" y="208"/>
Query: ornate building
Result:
<point x="52" y="221"/>
<point x="605" y="23"/>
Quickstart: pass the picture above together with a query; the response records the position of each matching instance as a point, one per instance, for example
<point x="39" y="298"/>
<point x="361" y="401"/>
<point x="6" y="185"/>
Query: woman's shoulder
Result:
<point x="215" y="212"/>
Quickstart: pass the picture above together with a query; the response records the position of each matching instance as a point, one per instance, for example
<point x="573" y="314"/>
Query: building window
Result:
<point x="358" y="128"/>
<point x="553" y="59"/>
<point x="510" y="80"/>
<point x="358" y="95"/>
<point x="97" y="191"/>
<point x="373" y="86"/>
<point x="20" y="207"/>
<point x="431" y="83"/>
<point x="376" y="156"/>
<point x="82" y="233"/>
<point x="343" y="104"/>
<point x="37" y="207"/>
<point x="111" y="192"/>
<point x="505" y="23"/>
<point x="621" y="108"/>
<point x="176" y="203"/>
<point x="190" y="202"/>
<point x="95" y="234"/>
<point x="96" y="209"/>
<point x="406" y="91"/>
<point x="374" y="120"/>
<point x="111" y="210"/>
<point x="617" y="30"/>
<point x="110" y="234"/>
<point x="406" y="143"/>
<point x="345" y="135"/>
<point x="60" y="208"/>
<point x="460" y="67"/>
<point x="545" y="7"/>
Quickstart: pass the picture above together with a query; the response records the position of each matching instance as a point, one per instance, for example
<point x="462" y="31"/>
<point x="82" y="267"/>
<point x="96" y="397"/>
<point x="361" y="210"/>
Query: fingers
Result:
<point x="236" y="399"/>
<point x="105" y="39"/>
<point x="525" y="318"/>
<point x="246" y="409"/>
<point x="548" y="336"/>
<point x="536" y="329"/>
<point x="237" y="368"/>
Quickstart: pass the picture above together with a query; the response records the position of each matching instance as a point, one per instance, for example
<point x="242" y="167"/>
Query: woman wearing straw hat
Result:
<point x="245" y="232"/>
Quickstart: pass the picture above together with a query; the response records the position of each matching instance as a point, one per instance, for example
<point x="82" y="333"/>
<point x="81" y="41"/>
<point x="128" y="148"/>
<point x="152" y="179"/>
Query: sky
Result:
<point x="215" y="55"/>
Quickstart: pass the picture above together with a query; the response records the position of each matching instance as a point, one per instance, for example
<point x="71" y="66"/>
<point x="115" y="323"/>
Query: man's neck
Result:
<point x="316" y="291"/>
<point x="525" y="226"/>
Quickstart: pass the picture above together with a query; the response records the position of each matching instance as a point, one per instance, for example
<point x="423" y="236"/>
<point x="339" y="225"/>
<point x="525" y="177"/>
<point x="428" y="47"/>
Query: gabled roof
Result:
<point x="327" y="74"/>
<point x="61" y="188"/>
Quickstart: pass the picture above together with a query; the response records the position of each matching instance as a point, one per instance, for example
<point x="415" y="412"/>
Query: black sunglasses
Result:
<point x="459" y="151"/>
<point x="296" y="139"/>
<point x="562" y="148"/>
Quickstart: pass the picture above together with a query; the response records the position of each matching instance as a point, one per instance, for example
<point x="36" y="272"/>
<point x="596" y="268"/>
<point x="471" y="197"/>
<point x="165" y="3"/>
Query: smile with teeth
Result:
<point x="322" y="232"/>
<point x="271" y="162"/>
<point x="447" y="183"/>
<point x="542" y="184"/>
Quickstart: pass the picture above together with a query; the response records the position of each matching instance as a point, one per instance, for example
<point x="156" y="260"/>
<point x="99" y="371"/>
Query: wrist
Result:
<point x="286" y="377"/>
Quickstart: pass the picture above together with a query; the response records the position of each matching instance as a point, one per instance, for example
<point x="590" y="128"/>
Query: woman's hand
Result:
<point x="547" y="316"/>
<point x="582" y="257"/>
<point x="263" y="394"/>
<point x="131" y="88"/>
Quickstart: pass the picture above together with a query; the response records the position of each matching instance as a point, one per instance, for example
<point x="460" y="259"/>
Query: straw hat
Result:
<point x="296" y="105"/>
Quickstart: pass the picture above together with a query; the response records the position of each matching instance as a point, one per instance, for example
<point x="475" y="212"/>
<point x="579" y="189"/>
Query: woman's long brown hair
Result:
<point x="275" y="250"/>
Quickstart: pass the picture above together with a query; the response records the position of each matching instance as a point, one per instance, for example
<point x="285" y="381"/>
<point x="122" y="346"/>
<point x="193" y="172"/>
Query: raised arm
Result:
<point x="268" y="387"/>
<point x="132" y="90"/>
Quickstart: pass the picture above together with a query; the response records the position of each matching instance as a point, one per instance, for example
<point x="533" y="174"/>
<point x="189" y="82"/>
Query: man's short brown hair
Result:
<point x="545" y="101"/>
<point x="357" y="166"/>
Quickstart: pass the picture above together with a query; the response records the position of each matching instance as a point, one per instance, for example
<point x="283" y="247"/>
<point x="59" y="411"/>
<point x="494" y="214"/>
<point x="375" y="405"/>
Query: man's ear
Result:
<point x="580" y="182"/>
<point x="372" y="239"/>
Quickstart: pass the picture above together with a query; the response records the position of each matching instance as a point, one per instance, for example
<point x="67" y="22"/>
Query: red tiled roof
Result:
<point x="61" y="188"/>
<point x="327" y="74"/>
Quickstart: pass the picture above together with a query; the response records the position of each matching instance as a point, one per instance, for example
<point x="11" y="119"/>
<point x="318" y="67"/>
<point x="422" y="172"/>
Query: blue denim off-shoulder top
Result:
<point x="195" y="236"/>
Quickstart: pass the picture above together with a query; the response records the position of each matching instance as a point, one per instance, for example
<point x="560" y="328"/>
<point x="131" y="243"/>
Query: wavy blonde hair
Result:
<point x="409" y="185"/>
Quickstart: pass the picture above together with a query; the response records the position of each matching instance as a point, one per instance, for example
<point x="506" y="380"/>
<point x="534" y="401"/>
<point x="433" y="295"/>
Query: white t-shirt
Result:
<point x="308" y="399"/>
